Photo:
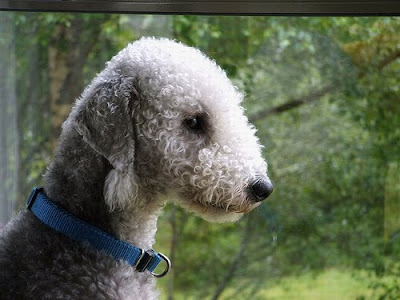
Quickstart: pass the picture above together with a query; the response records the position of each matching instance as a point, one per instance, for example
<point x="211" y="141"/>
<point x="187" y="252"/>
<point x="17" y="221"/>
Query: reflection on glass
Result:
<point x="324" y="94"/>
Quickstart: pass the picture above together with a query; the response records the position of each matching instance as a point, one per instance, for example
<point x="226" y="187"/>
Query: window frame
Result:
<point x="207" y="7"/>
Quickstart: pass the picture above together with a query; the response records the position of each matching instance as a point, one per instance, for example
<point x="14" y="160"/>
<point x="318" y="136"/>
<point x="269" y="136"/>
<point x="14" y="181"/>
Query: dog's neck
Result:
<point x="137" y="226"/>
<point x="78" y="187"/>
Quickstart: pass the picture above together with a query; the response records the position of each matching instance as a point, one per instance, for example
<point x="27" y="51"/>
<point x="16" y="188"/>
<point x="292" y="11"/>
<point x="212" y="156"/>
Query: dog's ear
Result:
<point x="104" y="118"/>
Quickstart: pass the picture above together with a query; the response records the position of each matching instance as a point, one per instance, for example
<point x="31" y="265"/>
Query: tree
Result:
<point x="9" y="157"/>
<point x="324" y="94"/>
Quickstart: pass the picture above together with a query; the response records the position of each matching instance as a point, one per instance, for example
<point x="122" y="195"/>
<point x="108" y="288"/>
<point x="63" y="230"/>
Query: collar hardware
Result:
<point x="144" y="260"/>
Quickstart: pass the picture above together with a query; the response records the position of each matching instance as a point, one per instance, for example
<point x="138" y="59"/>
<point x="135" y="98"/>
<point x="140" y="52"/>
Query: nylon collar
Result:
<point x="78" y="230"/>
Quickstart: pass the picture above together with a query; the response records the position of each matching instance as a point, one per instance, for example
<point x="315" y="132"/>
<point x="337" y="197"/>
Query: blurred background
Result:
<point x="324" y="93"/>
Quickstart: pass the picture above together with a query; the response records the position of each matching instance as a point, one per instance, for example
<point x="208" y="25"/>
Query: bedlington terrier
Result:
<point x="161" y="122"/>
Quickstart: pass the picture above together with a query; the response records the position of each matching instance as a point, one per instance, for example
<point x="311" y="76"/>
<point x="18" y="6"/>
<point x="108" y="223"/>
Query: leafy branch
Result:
<point x="313" y="96"/>
<point x="318" y="94"/>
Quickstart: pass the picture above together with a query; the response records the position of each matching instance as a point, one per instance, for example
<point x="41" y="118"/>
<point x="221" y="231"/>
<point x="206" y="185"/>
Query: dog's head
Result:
<point x="170" y="122"/>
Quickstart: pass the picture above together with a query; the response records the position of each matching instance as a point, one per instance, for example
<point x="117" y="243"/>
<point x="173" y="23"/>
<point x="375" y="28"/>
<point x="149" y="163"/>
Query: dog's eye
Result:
<point x="194" y="123"/>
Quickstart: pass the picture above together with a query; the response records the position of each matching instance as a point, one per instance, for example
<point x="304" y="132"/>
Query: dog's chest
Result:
<point x="129" y="284"/>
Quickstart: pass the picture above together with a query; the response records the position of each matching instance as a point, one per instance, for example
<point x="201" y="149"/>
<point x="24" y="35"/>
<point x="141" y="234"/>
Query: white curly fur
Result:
<point x="179" y="81"/>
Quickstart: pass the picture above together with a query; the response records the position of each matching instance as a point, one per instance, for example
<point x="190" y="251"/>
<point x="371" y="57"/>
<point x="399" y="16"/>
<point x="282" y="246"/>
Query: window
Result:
<point x="323" y="92"/>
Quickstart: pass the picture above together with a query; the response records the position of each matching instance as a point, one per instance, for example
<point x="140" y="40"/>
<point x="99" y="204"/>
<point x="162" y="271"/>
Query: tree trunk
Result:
<point x="235" y="264"/>
<point x="174" y="244"/>
<point x="7" y="119"/>
<point x="71" y="45"/>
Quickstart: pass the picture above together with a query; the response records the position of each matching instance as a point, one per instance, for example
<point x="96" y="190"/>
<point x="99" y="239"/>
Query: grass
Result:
<point x="332" y="284"/>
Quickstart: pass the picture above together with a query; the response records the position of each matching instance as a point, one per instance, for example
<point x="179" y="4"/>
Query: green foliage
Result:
<point x="388" y="287"/>
<point x="334" y="160"/>
<point x="328" y="159"/>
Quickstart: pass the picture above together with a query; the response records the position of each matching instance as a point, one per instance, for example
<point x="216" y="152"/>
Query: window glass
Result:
<point x="324" y="94"/>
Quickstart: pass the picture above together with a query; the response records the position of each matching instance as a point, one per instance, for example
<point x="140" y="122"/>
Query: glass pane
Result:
<point x="324" y="96"/>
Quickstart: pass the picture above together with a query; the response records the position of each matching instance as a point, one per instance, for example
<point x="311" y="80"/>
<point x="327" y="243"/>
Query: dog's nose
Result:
<point x="261" y="189"/>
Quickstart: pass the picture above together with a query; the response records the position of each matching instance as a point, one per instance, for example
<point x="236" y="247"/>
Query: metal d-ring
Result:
<point x="168" y="262"/>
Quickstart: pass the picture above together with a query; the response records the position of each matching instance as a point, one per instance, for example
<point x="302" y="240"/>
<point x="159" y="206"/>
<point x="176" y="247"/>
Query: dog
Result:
<point x="162" y="122"/>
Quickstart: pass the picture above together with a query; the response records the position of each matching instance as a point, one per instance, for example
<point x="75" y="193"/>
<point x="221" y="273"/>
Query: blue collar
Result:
<point x="78" y="230"/>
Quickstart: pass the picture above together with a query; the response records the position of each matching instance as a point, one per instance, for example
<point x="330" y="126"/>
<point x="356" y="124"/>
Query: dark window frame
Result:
<point x="208" y="7"/>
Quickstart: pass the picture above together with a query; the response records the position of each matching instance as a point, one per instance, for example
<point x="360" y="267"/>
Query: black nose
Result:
<point x="261" y="189"/>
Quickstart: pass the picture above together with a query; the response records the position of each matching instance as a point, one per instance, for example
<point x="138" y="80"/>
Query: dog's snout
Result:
<point x="261" y="189"/>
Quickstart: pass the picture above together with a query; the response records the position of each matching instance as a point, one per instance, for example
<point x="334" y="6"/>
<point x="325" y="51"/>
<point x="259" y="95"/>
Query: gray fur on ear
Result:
<point x="103" y="117"/>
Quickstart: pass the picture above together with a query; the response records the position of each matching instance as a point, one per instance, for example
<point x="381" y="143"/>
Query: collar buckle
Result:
<point x="144" y="260"/>
<point x="149" y="260"/>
